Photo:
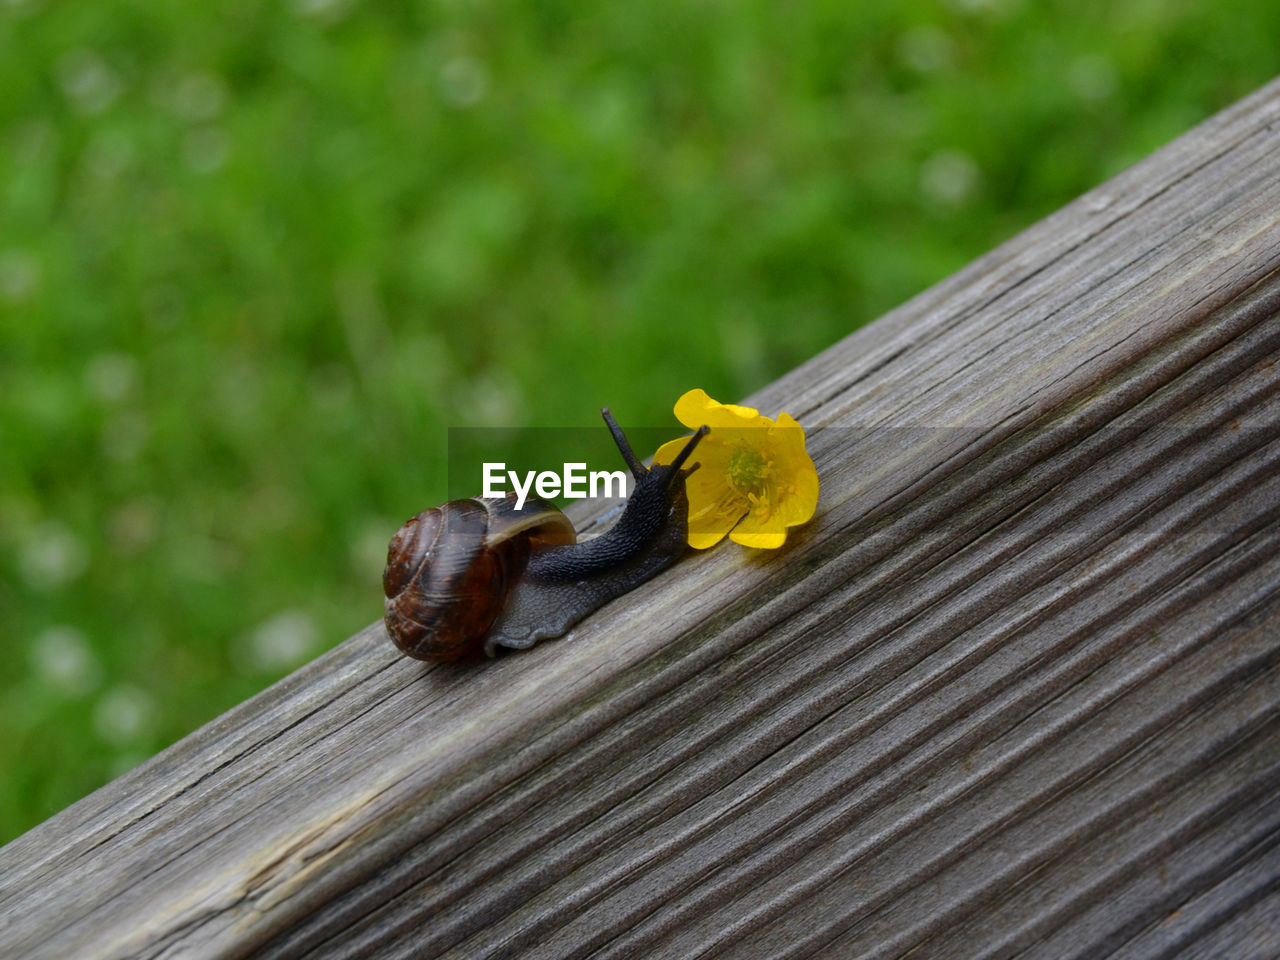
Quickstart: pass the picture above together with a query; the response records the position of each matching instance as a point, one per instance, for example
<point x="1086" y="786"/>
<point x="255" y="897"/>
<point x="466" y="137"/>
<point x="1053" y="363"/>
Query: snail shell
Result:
<point x="450" y="571"/>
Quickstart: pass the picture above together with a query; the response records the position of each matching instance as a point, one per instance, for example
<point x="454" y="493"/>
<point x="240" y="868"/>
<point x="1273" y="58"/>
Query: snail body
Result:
<point x="474" y="575"/>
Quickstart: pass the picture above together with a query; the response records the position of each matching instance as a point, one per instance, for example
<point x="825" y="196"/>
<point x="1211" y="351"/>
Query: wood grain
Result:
<point x="1015" y="691"/>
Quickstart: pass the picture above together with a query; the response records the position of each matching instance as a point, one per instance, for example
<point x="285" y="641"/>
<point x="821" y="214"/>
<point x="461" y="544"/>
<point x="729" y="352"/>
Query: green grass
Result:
<point x="256" y="258"/>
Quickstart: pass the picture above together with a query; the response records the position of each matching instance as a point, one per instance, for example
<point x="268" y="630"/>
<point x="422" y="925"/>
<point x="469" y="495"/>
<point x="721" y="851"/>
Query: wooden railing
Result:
<point x="1015" y="691"/>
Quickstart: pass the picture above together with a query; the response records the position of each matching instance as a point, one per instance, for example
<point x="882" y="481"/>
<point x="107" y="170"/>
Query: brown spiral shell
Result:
<point x="450" y="570"/>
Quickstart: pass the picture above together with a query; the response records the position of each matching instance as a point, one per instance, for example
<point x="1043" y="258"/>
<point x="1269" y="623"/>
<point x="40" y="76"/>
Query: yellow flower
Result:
<point x="755" y="478"/>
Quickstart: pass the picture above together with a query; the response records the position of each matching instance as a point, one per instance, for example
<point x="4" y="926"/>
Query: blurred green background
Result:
<point x="256" y="258"/>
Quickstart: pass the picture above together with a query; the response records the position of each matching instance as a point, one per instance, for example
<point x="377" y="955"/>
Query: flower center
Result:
<point x="748" y="471"/>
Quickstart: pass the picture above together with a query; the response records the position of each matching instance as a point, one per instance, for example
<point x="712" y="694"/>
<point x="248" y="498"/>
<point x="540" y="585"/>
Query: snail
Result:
<point x="474" y="575"/>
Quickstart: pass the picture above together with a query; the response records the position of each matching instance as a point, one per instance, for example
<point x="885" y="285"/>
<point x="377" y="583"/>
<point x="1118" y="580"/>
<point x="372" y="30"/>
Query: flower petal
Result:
<point x="759" y="541"/>
<point x="671" y="449"/>
<point x="695" y="408"/>
<point x="800" y="501"/>
<point x="760" y="530"/>
<point x="702" y="541"/>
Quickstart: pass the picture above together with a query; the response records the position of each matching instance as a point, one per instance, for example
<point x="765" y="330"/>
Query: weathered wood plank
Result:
<point x="1014" y="692"/>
